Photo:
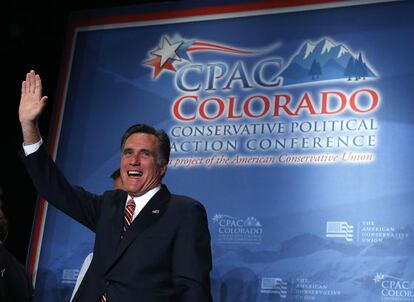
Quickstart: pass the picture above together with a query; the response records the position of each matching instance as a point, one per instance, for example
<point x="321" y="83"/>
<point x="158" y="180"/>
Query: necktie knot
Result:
<point x="129" y="213"/>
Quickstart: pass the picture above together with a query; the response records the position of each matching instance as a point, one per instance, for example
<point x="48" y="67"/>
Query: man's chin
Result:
<point x="134" y="190"/>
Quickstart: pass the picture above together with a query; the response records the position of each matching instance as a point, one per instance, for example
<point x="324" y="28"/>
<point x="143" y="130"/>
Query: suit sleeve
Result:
<point x="15" y="282"/>
<point x="52" y="185"/>
<point x="192" y="257"/>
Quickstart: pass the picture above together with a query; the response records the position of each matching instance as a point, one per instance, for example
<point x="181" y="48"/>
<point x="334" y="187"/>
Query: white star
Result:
<point x="167" y="51"/>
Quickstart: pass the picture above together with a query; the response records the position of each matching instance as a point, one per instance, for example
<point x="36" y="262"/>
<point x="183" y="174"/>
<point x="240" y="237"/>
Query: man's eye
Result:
<point x="127" y="152"/>
<point x="145" y="153"/>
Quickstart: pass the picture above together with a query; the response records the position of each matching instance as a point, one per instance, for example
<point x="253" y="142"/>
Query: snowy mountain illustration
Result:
<point x="323" y="61"/>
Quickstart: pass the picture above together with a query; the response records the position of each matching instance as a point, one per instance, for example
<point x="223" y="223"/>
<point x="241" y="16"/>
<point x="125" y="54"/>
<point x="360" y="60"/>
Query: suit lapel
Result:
<point x="114" y="226"/>
<point x="150" y="214"/>
<point x="118" y="211"/>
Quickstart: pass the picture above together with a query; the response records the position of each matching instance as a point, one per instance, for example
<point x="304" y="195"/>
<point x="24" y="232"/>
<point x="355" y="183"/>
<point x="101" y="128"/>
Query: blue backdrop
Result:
<point x="292" y="125"/>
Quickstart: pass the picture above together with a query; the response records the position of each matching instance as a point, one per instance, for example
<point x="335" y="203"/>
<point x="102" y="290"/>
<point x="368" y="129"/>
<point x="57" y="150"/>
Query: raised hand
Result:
<point x="31" y="106"/>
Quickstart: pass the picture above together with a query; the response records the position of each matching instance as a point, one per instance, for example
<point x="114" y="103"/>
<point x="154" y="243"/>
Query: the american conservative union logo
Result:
<point x="367" y="232"/>
<point x="339" y="229"/>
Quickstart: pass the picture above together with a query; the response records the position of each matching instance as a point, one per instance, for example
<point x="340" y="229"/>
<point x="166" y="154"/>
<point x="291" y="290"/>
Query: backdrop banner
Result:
<point x="292" y="124"/>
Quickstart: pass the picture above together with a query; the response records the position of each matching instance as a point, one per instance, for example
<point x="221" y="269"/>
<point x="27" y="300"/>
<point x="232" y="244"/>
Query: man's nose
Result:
<point x="136" y="159"/>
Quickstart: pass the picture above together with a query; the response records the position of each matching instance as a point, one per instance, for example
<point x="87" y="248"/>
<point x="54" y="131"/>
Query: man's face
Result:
<point x="140" y="170"/>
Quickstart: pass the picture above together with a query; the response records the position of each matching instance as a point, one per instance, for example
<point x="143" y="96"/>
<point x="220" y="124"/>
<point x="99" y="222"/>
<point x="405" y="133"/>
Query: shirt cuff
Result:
<point x="29" y="149"/>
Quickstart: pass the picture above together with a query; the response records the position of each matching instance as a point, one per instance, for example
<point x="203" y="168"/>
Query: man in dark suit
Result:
<point x="15" y="282"/>
<point x="117" y="184"/>
<point x="164" y="254"/>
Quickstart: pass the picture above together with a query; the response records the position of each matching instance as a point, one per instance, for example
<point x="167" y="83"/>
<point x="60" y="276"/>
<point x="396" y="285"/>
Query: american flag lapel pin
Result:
<point x="155" y="211"/>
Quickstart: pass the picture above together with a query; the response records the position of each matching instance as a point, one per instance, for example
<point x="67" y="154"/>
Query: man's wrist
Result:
<point x="32" y="148"/>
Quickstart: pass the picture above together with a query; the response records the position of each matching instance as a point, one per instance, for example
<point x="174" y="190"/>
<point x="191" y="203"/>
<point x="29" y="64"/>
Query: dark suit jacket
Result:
<point x="164" y="255"/>
<point x="15" y="283"/>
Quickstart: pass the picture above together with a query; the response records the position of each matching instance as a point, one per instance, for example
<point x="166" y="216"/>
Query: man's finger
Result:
<point x="23" y="87"/>
<point x="32" y="81"/>
<point x="38" y="84"/>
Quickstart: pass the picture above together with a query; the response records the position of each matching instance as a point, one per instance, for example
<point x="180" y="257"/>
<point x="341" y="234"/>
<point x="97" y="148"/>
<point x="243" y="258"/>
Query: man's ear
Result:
<point x="163" y="169"/>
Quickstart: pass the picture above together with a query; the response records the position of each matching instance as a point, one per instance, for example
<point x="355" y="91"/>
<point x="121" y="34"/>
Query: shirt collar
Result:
<point x="147" y="196"/>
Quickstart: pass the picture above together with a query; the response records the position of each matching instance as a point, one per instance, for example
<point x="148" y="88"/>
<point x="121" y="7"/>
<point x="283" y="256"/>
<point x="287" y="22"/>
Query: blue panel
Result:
<point x="294" y="129"/>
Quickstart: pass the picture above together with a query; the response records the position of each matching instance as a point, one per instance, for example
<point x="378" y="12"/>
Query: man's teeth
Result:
<point x="134" y="173"/>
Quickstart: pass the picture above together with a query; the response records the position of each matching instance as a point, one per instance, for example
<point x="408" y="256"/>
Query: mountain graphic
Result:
<point x="324" y="61"/>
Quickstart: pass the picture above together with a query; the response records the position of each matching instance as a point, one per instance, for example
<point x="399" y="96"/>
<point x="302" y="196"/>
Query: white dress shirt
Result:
<point x="142" y="200"/>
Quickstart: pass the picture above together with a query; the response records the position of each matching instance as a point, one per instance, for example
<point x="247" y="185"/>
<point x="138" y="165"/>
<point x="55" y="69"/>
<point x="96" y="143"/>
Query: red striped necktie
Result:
<point x="128" y="214"/>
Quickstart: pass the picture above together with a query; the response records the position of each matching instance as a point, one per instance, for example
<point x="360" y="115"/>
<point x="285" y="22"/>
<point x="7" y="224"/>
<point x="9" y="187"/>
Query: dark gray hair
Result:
<point x="164" y="147"/>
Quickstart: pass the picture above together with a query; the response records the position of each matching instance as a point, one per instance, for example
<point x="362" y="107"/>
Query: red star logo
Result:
<point x="156" y="64"/>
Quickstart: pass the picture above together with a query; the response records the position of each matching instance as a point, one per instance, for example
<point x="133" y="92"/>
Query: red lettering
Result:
<point x="374" y="100"/>
<point x="247" y="108"/>
<point x="305" y="103"/>
<point x="176" y="109"/>
<point x="216" y="102"/>
<point x="188" y="108"/>
<point x="326" y="98"/>
<point x="282" y="105"/>
<point x="231" y="113"/>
